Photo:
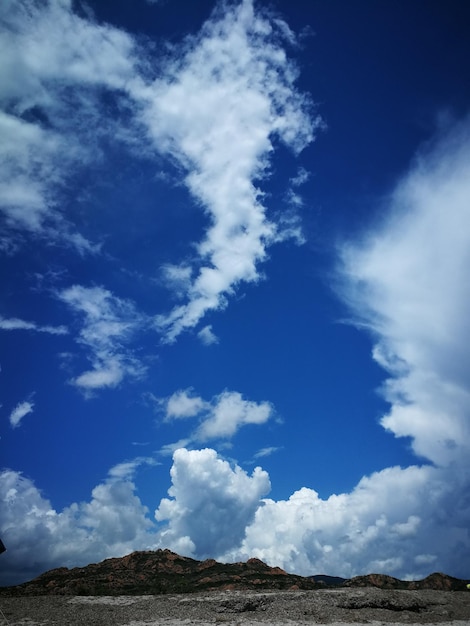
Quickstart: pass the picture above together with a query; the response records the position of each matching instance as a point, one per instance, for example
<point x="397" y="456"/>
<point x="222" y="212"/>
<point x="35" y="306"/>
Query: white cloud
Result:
<point x="219" y="418"/>
<point x="182" y="404"/>
<point x="229" y="412"/>
<point x="294" y="200"/>
<point x="109" y="323"/>
<point x="207" y="495"/>
<point x="397" y="521"/>
<point x="53" y="64"/>
<point x="211" y="503"/>
<point x="266" y="452"/>
<point x="112" y="523"/>
<point x="127" y="469"/>
<point x="177" y="278"/>
<point x="14" y="323"/>
<point x="170" y="448"/>
<point x="407" y="283"/>
<point x="300" y="178"/>
<point x="216" y="112"/>
<point x="20" y="411"/>
<point x="26" y="148"/>
<point x="207" y="336"/>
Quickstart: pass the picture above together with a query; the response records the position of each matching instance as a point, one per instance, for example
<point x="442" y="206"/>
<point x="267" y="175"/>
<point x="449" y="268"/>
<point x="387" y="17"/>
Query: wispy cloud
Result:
<point x="53" y="63"/>
<point x="219" y="418"/>
<point x="109" y="324"/>
<point x="207" y="336"/>
<point x="266" y="452"/>
<point x="293" y="197"/>
<point x="14" y="323"/>
<point x="217" y="112"/>
<point x="19" y="412"/>
<point x="300" y="178"/>
<point x="127" y="469"/>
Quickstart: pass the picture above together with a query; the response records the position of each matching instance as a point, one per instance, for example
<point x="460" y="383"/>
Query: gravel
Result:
<point x="337" y="607"/>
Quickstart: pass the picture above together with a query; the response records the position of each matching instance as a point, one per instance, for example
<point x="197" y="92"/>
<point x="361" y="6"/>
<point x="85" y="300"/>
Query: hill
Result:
<point x="162" y="572"/>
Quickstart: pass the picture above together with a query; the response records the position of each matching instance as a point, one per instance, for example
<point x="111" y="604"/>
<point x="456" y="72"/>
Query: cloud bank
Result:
<point x="407" y="283"/>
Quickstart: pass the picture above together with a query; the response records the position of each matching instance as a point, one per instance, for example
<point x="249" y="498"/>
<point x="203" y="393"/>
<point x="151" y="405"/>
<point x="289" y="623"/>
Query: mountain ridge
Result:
<point x="163" y="571"/>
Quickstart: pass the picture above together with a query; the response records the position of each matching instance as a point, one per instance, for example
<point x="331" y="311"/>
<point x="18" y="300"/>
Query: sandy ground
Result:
<point x="338" y="607"/>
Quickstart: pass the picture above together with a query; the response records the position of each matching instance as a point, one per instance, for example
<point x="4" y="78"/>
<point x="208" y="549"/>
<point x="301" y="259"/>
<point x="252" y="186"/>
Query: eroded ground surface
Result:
<point x="238" y="608"/>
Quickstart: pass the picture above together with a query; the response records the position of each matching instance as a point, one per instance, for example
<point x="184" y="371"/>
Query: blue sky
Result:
<point x="234" y="313"/>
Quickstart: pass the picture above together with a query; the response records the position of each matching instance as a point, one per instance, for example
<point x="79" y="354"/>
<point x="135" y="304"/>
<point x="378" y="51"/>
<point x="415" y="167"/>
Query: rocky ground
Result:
<point x="343" y="606"/>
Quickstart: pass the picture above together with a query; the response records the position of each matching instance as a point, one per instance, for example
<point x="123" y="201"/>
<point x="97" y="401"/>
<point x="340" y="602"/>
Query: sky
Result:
<point x="235" y="263"/>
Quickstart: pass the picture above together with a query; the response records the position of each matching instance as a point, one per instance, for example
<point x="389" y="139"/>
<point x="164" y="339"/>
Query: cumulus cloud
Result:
<point x="109" y="324"/>
<point x="217" y="112"/>
<point x="211" y="503"/>
<point x="406" y="283"/>
<point x="112" y="523"/>
<point x="13" y="323"/>
<point x="219" y="418"/>
<point x="397" y="521"/>
<point x="404" y="522"/>
<point x="53" y="65"/>
<point x="20" y="411"/>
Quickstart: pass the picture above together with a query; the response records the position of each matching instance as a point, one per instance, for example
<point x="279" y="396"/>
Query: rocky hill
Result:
<point x="163" y="572"/>
<point x="436" y="581"/>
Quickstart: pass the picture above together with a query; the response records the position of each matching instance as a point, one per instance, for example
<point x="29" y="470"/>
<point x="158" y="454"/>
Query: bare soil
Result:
<point x="348" y="607"/>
